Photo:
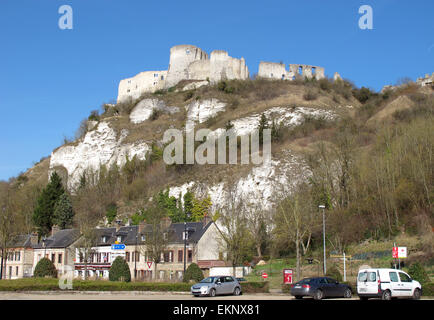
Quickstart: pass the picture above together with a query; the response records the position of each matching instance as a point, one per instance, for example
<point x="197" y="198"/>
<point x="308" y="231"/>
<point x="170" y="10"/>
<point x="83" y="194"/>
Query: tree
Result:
<point x="43" y="216"/>
<point x="193" y="272"/>
<point x="157" y="237"/>
<point x="200" y="208"/>
<point x="234" y="229"/>
<point x="45" y="268"/>
<point x="417" y="272"/>
<point x="119" y="270"/>
<point x="63" y="212"/>
<point x="293" y="220"/>
<point x="89" y="212"/>
<point x="257" y="222"/>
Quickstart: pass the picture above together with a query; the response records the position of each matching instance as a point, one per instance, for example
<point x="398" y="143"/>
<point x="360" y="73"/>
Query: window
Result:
<point x="16" y="271"/>
<point x="185" y="235"/>
<point x="168" y="256"/>
<point x="271" y="75"/>
<point x="53" y="257"/>
<point x="313" y="70"/>
<point x="137" y="256"/>
<point x="372" y="277"/>
<point x="404" y="277"/>
<point x="187" y="51"/>
<point x="119" y="239"/>
<point x="127" y="256"/>
<point x="393" y="277"/>
<point x="59" y="258"/>
<point x="229" y="279"/>
<point x="180" y="255"/>
<point x="190" y="256"/>
<point x="143" y="237"/>
<point x="155" y="75"/>
<point x="162" y="77"/>
<point x="104" y="239"/>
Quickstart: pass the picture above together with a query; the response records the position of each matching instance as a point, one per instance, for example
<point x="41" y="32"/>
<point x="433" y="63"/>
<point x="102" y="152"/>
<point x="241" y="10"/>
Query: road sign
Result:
<point x="287" y="276"/>
<point x="149" y="263"/>
<point x="118" y="247"/>
<point x="395" y="252"/>
<point x="264" y="275"/>
<point x="402" y="252"/>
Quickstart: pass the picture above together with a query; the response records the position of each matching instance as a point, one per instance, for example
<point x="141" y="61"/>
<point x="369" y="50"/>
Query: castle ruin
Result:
<point x="272" y="70"/>
<point x="186" y="62"/>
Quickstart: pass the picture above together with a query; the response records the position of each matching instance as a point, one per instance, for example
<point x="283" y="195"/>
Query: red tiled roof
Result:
<point x="205" y="264"/>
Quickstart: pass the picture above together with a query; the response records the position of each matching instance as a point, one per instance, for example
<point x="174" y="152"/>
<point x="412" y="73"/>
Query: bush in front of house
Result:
<point x="193" y="272"/>
<point x="119" y="271"/>
<point x="45" y="268"/>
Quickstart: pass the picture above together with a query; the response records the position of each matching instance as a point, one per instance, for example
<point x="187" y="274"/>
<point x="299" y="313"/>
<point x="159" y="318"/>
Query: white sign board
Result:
<point x="402" y="252"/>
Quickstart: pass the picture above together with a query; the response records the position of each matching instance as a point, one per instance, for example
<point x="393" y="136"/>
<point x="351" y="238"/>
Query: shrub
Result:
<point x="310" y="95"/>
<point x="45" y="268"/>
<point x="363" y="94"/>
<point x="334" y="273"/>
<point x="94" y="115"/>
<point x="255" y="287"/>
<point x="155" y="114"/>
<point x="417" y="272"/>
<point x="119" y="271"/>
<point x="428" y="289"/>
<point x="188" y="95"/>
<point x="193" y="272"/>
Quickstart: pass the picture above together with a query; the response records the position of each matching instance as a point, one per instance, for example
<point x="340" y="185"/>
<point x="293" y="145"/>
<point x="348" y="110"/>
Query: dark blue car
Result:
<point x="319" y="288"/>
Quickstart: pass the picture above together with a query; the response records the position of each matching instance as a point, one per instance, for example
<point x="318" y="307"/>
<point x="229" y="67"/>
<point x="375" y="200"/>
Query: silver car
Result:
<point x="213" y="286"/>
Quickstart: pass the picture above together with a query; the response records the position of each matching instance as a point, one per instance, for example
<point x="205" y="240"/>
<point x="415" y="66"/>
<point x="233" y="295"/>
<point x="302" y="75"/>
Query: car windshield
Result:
<point x="209" y="280"/>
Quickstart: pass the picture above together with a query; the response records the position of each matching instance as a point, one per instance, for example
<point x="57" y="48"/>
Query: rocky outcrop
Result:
<point x="202" y="110"/>
<point x="144" y="109"/>
<point x="100" y="146"/>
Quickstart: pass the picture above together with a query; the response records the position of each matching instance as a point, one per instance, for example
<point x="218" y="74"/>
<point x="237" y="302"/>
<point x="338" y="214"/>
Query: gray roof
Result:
<point x="20" y="241"/>
<point x="61" y="239"/>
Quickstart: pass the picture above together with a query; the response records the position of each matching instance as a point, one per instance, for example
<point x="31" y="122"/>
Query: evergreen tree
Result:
<point x="43" y="215"/>
<point x="263" y="124"/>
<point x="200" y="208"/>
<point x="63" y="212"/>
<point x="188" y="205"/>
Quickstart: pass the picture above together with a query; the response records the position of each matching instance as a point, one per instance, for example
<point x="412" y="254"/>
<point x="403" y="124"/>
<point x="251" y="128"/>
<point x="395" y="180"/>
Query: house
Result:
<point x="202" y="247"/>
<point x="19" y="257"/>
<point x="59" y="248"/>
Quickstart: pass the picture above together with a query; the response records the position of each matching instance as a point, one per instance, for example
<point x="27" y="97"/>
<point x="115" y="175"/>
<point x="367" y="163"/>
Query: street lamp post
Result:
<point x="185" y="243"/>
<point x="323" y="237"/>
<point x="135" y="259"/>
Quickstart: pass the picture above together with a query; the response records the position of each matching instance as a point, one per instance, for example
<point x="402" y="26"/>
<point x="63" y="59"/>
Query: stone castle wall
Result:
<point x="272" y="70"/>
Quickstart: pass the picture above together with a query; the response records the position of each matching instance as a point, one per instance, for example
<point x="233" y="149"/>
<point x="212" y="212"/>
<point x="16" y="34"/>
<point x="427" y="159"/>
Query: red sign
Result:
<point x="149" y="263"/>
<point x="395" y="252"/>
<point x="287" y="276"/>
<point x="264" y="275"/>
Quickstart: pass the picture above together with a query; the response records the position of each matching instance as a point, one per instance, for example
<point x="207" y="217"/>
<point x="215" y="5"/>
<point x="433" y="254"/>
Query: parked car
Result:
<point x="319" y="288"/>
<point x="387" y="284"/>
<point x="216" y="285"/>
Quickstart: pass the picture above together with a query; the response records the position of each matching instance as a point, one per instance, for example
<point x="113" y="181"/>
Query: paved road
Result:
<point x="139" y="296"/>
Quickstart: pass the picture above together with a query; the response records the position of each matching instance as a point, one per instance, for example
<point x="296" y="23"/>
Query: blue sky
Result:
<point x="50" y="79"/>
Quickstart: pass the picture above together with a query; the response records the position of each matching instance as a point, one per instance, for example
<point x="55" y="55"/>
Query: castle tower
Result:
<point x="180" y="58"/>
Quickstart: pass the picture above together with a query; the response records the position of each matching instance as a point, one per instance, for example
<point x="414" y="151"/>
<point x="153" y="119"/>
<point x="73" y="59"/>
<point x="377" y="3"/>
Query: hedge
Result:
<point x="255" y="287"/>
<point x="46" y="284"/>
<point x="428" y="289"/>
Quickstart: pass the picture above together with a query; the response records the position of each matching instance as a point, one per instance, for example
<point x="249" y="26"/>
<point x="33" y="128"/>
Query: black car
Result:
<point x="321" y="287"/>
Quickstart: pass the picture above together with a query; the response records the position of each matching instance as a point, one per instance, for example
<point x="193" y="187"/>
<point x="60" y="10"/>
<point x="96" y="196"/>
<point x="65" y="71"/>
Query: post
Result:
<point x="323" y="236"/>
<point x="345" y="270"/>
<point x="185" y="243"/>
<point x="135" y="259"/>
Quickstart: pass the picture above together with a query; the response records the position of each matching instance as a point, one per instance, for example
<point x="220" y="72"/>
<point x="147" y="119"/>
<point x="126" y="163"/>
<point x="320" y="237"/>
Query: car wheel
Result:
<point x="212" y="292"/>
<point x="196" y="295"/>
<point x="318" y="295"/>
<point x="386" y="295"/>
<point x="237" y="291"/>
<point x="347" y="293"/>
<point x="416" y="294"/>
<point x="298" y="297"/>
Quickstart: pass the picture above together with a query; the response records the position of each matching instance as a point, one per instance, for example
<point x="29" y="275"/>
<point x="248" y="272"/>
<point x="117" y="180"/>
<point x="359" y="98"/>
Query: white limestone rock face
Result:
<point x="261" y="188"/>
<point x="98" y="147"/>
<point x="200" y="111"/>
<point x="143" y="110"/>
<point x="195" y="85"/>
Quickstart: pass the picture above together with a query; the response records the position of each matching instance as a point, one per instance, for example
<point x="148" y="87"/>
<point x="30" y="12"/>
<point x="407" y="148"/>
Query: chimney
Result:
<point x="166" y="222"/>
<point x="54" y="229"/>
<point x="34" y="239"/>
<point x="142" y="226"/>
<point x="118" y="225"/>
<point x="206" y="220"/>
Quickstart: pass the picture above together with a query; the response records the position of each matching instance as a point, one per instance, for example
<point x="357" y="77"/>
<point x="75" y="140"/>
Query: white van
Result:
<point x="386" y="284"/>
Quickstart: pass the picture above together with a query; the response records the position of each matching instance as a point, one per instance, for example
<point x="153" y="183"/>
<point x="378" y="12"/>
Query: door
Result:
<point x="395" y="285"/>
<point x="220" y="285"/>
<point x="324" y="286"/>
<point x="406" y="284"/>
<point x="229" y="285"/>
<point x="335" y="290"/>
<point x="367" y="282"/>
